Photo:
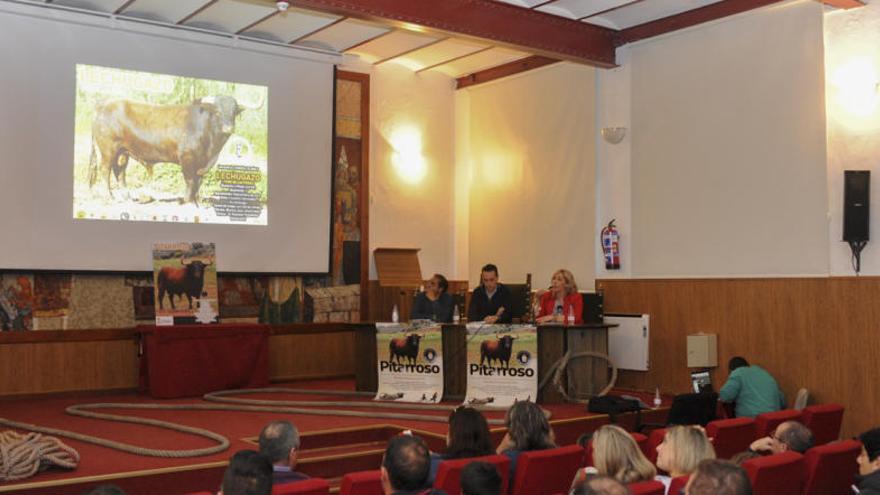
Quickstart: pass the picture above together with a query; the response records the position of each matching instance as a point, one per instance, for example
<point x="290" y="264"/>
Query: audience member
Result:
<point x="434" y="303"/>
<point x="279" y="442"/>
<point x="405" y="466"/>
<point x="600" y="485"/>
<point x="527" y="429"/>
<point x="560" y="300"/>
<point x="468" y="436"/>
<point x="717" y="477"/>
<point x="869" y="463"/>
<point x="480" y="478"/>
<point x="108" y="489"/>
<point x="681" y="450"/>
<point x="616" y="454"/>
<point x="752" y="389"/>
<point x="491" y="301"/>
<point x="249" y="473"/>
<point x="790" y="435"/>
<point x="744" y="456"/>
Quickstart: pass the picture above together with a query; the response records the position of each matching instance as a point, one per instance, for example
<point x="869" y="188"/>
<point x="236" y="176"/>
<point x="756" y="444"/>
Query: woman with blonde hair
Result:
<point x="560" y="300"/>
<point x="681" y="451"/>
<point x="527" y="429"/>
<point x="616" y="454"/>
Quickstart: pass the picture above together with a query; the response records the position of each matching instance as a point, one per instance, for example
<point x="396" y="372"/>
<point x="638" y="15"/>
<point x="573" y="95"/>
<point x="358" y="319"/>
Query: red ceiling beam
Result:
<point x="844" y="4"/>
<point x="690" y="18"/>
<point x="505" y="70"/>
<point x="505" y="24"/>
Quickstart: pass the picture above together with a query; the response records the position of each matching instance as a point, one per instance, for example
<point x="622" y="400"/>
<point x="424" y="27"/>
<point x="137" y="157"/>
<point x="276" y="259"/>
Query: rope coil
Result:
<point x="23" y="455"/>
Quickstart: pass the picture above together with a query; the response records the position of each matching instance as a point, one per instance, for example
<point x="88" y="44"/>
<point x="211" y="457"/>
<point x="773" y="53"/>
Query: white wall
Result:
<point x="728" y="148"/>
<point x="531" y="145"/>
<point x="852" y="68"/>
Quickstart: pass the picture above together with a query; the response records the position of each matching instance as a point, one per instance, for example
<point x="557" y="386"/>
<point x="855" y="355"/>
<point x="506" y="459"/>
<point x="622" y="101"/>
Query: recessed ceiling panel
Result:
<point x="577" y="9"/>
<point x="396" y="43"/>
<point x="523" y="3"/>
<point x="172" y="11"/>
<point x="291" y="25"/>
<point x="480" y="61"/>
<point x="345" y="34"/>
<point x="108" y="6"/>
<point x="438" y="53"/>
<point x="651" y="10"/>
<point x="230" y="16"/>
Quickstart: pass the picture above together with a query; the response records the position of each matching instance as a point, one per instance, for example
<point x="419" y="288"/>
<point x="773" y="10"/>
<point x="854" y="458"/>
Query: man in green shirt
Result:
<point x="752" y="388"/>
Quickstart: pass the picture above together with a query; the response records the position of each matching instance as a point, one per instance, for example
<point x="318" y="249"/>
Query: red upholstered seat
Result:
<point x="449" y="473"/>
<point x="731" y="436"/>
<point x="201" y="493"/>
<point x="646" y="488"/>
<point x="766" y="423"/>
<point x="362" y="483"/>
<point x="824" y="421"/>
<point x="831" y="468"/>
<point x="312" y="486"/>
<point x="678" y="484"/>
<point x="544" y="472"/>
<point x="776" y="474"/>
<point x="655" y="438"/>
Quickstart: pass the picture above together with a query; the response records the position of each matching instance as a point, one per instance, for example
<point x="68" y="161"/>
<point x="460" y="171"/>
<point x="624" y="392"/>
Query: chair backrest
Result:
<point x="677" y="485"/>
<point x="655" y="438"/>
<point x="311" y="486"/>
<point x="766" y="423"/>
<point x="646" y="488"/>
<point x="693" y="409"/>
<point x="776" y="474"/>
<point x="594" y="307"/>
<point x="362" y="483"/>
<point x="449" y="473"/>
<point x="831" y="468"/>
<point x="544" y="472"/>
<point x="731" y="436"/>
<point x="519" y="299"/>
<point x="824" y="421"/>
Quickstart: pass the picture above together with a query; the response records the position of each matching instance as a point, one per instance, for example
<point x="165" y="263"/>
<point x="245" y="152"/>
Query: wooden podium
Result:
<point x="585" y="377"/>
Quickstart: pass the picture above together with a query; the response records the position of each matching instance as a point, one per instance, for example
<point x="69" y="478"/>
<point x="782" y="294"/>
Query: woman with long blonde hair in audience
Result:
<point x="616" y="454"/>
<point x="681" y="451"/>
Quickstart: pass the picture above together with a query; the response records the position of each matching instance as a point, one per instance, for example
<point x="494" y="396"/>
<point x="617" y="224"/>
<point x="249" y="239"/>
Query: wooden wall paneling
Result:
<point x="817" y="333"/>
<point x="307" y="356"/>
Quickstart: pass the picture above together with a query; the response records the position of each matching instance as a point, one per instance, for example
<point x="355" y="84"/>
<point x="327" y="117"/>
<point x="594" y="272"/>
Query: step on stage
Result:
<point x="332" y="444"/>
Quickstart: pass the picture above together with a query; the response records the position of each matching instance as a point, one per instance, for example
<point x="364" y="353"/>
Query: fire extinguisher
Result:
<point x="611" y="246"/>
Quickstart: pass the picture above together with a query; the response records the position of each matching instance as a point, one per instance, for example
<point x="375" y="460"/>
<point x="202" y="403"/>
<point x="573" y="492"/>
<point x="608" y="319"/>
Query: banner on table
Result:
<point x="185" y="280"/>
<point x="502" y="364"/>
<point x="410" y="362"/>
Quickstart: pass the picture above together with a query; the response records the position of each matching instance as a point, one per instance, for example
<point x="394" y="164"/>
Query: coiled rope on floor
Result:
<point x="23" y="455"/>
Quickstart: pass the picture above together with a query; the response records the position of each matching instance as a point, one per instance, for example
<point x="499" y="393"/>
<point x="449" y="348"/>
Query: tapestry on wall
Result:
<point x="52" y="295"/>
<point x="16" y="302"/>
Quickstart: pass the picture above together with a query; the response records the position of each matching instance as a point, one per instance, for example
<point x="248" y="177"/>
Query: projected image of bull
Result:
<point x="154" y="147"/>
<point x="498" y="350"/>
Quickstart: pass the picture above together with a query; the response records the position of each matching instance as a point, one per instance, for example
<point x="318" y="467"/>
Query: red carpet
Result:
<point x="331" y="445"/>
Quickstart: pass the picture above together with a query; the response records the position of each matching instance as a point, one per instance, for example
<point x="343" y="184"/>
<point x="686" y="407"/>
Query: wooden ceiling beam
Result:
<point x="844" y="4"/>
<point x="507" y="25"/>
<point x="504" y="70"/>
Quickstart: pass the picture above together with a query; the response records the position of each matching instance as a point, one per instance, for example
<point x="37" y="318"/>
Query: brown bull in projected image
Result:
<point x="188" y="135"/>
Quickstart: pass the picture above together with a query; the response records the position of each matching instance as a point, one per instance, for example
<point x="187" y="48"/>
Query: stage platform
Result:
<point x="332" y="445"/>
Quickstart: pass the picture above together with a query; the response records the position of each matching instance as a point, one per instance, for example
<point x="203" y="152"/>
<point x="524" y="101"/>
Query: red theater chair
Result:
<point x="655" y="438"/>
<point x="731" y="436"/>
<point x="766" y="423"/>
<point x="362" y="483"/>
<point x="776" y="474"/>
<point x="677" y="485"/>
<point x="831" y="468"/>
<point x="646" y="488"/>
<point x="824" y="421"/>
<point x="313" y="486"/>
<point x="449" y="473"/>
<point x="544" y="472"/>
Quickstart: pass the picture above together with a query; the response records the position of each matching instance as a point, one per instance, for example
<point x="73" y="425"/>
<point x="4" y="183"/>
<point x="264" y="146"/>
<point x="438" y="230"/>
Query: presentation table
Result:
<point x="585" y="377"/>
<point x="191" y="360"/>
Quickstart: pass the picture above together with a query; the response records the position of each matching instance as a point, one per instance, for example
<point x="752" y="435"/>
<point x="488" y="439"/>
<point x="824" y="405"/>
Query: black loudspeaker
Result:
<point x="856" y="204"/>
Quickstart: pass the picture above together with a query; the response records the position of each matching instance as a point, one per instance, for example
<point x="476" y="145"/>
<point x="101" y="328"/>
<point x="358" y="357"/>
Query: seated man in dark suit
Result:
<point x="279" y="442"/>
<point x="491" y="301"/>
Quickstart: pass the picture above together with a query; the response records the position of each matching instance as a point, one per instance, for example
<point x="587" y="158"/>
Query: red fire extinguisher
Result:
<point x="611" y="246"/>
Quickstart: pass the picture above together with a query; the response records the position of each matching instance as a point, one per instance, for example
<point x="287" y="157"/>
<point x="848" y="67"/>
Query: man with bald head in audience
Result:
<point x="405" y="467"/>
<point x="718" y="477"/>
<point x="790" y="435"/>
<point x="279" y="442"/>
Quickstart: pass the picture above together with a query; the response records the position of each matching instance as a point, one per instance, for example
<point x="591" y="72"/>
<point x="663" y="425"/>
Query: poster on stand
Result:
<point x="185" y="281"/>
<point x="410" y="363"/>
<point x="502" y="364"/>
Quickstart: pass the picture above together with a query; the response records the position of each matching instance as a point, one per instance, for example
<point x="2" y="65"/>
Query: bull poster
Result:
<point x="410" y="362"/>
<point x="163" y="148"/>
<point x="502" y="364"/>
<point x="185" y="281"/>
